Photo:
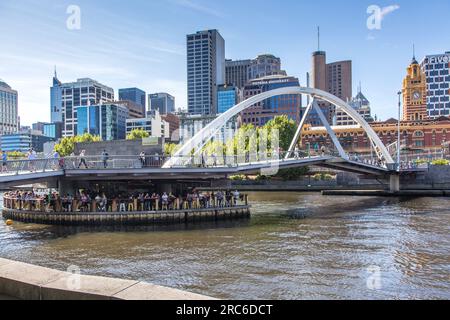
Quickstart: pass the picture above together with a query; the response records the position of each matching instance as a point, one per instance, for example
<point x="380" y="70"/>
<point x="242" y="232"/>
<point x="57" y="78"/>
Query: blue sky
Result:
<point x="142" y="43"/>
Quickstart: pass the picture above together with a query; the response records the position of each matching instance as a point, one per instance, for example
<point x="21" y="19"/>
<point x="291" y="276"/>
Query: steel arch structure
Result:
<point x="199" y="140"/>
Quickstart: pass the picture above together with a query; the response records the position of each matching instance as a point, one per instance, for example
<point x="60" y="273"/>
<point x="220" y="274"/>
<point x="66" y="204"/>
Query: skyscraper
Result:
<point x="9" y="118"/>
<point x="56" y="114"/>
<point x="67" y="97"/>
<point x="437" y="72"/>
<point x="237" y="72"/>
<point x="240" y="72"/>
<point x="334" y="78"/>
<point x="339" y="79"/>
<point x="134" y="95"/>
<point x="205" y="70"/>
<point x="162" y="102"/>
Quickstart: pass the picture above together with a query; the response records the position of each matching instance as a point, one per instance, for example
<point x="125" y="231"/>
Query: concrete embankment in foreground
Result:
<point x="29" y="282"/>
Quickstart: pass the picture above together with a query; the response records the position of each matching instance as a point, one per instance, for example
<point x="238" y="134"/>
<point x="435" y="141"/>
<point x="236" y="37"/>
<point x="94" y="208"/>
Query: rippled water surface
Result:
<point x="296" y="246"/>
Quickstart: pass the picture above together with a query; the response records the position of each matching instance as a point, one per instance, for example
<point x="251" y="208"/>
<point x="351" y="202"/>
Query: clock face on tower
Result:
<point x="416" y="95"/>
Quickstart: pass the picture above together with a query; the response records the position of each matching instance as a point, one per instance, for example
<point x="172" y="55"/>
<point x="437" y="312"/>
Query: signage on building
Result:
<point x="150" y="141"/>
<point x="440" y="59"/>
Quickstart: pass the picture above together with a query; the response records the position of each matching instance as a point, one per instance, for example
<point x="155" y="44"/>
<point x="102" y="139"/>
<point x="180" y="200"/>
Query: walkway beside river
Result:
<point x="28" y="282"/>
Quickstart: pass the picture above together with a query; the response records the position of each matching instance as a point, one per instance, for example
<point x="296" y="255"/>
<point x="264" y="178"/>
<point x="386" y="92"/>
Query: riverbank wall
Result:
<point x="435" y="178"/>
<point x="29" y="282"/>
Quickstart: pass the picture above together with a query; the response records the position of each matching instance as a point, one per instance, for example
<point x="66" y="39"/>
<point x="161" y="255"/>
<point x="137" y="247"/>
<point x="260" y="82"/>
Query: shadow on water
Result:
<point x="344" y="207"/>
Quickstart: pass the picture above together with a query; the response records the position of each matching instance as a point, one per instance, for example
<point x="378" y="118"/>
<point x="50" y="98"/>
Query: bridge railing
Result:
<point x="157" y="161"/>
<point x="99" y="162"/>
<point x="15" y="167"/>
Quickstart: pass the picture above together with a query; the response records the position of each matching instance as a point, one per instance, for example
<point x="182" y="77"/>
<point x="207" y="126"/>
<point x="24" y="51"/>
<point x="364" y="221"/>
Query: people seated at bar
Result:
<point x="89" y="201"/>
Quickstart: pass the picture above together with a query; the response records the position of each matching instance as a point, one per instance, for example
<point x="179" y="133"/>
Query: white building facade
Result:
<point x="9" y="117"/>
<point x="70" y="96"/>
<point x="153" y="124"/>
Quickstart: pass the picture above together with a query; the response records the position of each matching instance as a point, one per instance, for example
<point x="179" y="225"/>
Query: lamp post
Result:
<point x="399" y="143"/>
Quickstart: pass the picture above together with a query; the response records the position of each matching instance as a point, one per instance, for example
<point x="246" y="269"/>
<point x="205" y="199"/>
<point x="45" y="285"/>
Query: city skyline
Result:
<point x="117" y="46"/>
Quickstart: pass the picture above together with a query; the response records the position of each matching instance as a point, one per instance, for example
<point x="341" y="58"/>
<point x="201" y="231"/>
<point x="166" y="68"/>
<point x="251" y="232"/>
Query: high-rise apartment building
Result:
<point x="263" y="112"/>
<point x="334" y="78"/>
<point x="437" y="72"/>
<point x="162" y="102"/>
<point x="83" y="92"/>
<point x="135" y="95"/>
<point x="9" y="117"/>
<point x="205" y="70"/>
<point x="339" y="79"/>
<point x="106" y="120"/>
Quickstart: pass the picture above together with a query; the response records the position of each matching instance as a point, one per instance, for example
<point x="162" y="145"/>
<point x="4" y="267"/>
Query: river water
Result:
<point x="296" y="246"/>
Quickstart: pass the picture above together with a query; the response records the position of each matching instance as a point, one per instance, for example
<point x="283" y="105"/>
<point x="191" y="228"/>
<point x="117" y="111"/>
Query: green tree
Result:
<point x="14" y="155"/>
<point x="171" y="148"/>
<point x="286" y="128"/>
<point x="67" y="145"/>
<point x="137" y="134"/>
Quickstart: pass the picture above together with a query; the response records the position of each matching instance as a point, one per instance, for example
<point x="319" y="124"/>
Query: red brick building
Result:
<point x="417" y="136"/>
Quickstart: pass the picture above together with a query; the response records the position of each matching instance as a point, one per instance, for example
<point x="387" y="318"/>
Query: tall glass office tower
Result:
<point x="227" y="98"/>
<point x="162" y="102"/>
<point x="135" y="95"/>
<point x="107" y="121"/>
<point x="206" y="71"/>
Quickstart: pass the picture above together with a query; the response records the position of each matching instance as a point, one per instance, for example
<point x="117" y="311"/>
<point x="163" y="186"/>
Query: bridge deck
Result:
<point x="132" y="170"/>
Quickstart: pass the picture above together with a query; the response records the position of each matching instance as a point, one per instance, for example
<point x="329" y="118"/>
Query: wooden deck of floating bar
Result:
<point x="127" y="218"/>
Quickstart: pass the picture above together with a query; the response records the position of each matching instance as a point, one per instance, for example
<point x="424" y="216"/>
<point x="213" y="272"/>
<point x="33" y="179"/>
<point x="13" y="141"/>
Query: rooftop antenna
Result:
<point x="414" y="51"/>
<point x="56" y="76"/>
<point x="318" y="38"/>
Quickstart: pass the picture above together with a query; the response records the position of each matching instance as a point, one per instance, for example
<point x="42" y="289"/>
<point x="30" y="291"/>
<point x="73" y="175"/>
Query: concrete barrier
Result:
<point x="29" y="282"/>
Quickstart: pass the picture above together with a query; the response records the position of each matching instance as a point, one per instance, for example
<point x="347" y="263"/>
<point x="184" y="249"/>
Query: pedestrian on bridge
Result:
<point x="142" y="157"/>
<point x="4" y="161"/>
<point x="82" y="159"/>
<point x="105" y="156"/>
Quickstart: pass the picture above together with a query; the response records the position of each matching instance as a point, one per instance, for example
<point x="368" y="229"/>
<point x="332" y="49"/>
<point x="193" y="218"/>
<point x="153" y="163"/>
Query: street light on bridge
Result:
<point x="399" y="143"/>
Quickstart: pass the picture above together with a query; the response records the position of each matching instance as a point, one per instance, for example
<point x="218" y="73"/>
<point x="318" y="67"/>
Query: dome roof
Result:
<point x="4" y="84"/>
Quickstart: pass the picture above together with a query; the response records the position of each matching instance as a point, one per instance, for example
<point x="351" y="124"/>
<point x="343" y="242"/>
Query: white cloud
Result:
<point x="199" y="7"/>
